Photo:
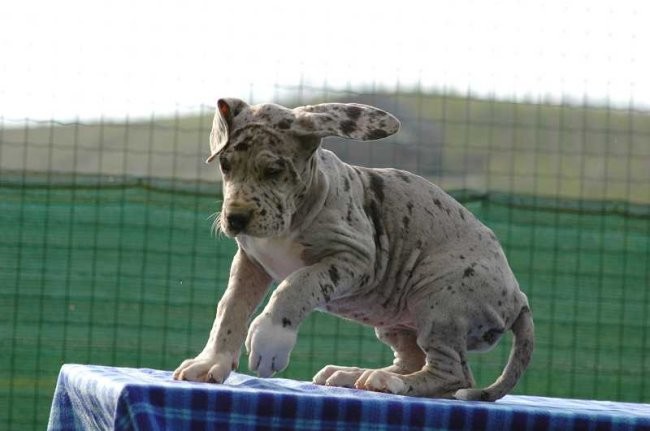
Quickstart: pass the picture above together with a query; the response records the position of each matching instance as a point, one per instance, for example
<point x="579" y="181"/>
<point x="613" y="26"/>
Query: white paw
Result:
<point x="381" y="381"/>
<point x="269" y="345"/>
<point x="343" y="377"/>
<point x="206" y="368"/>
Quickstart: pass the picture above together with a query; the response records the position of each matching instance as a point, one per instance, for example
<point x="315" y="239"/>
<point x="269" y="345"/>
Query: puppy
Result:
<point x="382" y="247"/>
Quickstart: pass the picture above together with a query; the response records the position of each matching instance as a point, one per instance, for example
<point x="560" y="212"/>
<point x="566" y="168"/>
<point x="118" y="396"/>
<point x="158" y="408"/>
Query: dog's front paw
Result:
<point x="269" y="345"/>
<point x="205" y="368"/>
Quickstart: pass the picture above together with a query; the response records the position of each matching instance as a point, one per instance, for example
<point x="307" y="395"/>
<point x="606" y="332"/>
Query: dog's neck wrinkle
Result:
<point x="315" y="197"/>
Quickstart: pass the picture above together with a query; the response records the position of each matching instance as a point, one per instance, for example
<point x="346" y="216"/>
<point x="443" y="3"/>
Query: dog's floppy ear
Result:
<point x="347" y="120"/>
<point x="227" y="109"/>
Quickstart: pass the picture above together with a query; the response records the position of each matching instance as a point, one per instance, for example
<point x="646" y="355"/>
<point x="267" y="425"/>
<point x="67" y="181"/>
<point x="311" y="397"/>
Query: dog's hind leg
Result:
<point x="445" y="371"/>
<point x="408" y="359"/>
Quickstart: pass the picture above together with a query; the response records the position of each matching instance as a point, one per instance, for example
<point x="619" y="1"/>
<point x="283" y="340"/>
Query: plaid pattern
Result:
<point x="95" y="397"/>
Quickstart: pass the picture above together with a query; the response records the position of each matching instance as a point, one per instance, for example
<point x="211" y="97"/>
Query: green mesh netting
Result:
<point x="129" y="275"/>
<point x="100" y="263"/>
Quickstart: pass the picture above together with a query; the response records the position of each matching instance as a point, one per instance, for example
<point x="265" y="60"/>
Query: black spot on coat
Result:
<point x="409" y="207"/>
<point x="469" y="272"/>
<point x="376" y="134"/>
<point x="347" y="127"/>
<point x="346" y="184"/>
<point x="492" y="335"/>
<point x="334" y="274"/>
<point x="403" y="176"/>
<point x="326" y="290"/>
<point x="377" y="185"/>
<point x="353" y="112"/>
<point x="372" y="211"/>
<point x="284" y="123"/>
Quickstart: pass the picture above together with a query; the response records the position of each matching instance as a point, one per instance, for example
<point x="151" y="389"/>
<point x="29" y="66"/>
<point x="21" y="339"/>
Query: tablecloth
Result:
<point x="92" y="397"/>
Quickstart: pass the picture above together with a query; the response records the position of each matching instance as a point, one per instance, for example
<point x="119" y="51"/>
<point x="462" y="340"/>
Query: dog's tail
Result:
<point x="520" y="354"/>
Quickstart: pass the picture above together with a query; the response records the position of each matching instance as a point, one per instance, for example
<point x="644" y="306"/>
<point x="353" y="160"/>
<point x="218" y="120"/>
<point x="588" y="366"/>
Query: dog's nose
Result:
<point x="237" y="221"/>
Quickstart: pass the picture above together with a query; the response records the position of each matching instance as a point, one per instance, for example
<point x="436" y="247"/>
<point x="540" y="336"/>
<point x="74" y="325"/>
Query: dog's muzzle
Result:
<point x="238" y="220"/>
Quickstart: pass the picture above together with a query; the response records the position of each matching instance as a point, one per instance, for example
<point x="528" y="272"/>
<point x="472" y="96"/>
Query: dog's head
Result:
<point x="265" y="153"/>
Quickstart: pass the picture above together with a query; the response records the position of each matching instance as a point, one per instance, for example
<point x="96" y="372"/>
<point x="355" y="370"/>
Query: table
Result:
<point x="100" y="397"/>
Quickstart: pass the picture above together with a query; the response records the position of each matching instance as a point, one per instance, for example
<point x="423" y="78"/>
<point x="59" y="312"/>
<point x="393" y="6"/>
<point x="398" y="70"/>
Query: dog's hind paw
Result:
<point x="381" y="381"/>
<point x="343" y="377"/>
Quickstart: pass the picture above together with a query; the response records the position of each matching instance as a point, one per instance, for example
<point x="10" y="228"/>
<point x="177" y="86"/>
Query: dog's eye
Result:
<point x="225" y="165"/>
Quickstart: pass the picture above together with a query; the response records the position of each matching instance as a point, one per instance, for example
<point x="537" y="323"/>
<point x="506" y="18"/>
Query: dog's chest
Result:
<point x="278" y="256"/>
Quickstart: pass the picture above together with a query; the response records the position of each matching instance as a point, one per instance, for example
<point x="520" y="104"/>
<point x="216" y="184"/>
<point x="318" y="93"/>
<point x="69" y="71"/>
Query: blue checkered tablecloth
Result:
<point x="89" y="397"/>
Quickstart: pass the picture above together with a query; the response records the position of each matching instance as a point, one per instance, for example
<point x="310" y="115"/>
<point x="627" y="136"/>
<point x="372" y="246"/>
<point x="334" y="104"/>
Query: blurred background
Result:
<point x="534" y="115"/>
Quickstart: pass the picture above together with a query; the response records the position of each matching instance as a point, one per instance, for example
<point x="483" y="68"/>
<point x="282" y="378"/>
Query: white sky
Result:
<point x="65" y="58"/>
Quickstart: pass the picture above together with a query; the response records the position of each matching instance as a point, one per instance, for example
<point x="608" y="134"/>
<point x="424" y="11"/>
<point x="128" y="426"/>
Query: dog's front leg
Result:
<point x="246" y="287"/>
<point x="272" y="335"/>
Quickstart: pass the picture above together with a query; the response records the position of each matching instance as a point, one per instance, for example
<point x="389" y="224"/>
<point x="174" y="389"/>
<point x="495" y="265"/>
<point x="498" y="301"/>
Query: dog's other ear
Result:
<point x="347" y="120"/>
<point x="227" y="109"/>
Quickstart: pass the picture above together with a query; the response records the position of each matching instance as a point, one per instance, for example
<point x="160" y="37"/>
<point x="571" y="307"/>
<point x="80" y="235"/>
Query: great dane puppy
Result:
<point x="382" y="247"/>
